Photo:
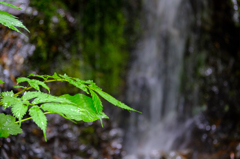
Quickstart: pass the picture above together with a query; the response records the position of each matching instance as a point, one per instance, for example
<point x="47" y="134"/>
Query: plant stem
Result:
<point x="61" y="80"/>
<point x="30" y="118"/>
<point x="22" y="91"/>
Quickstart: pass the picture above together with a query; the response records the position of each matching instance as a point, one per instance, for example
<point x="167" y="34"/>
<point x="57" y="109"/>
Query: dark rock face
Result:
<point x="215" y="76"/>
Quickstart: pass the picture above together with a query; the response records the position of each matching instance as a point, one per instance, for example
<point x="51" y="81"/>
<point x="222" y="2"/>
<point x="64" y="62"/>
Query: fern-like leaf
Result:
<point x="39" y="76"/>
<point x="75" y="83"/>
<point x="33" y="83"/>
<point x="11" y="21"/>
<point x="44" y="98"/>
<point x="41" y="97"/>
<point x="8" y="93"/>
<point x="97" y="104"/>
<point x="70" y="111"/>
<point x="55" y="76"/>
<point x="86" y="103"/>
<point x="19" y="110"/>
<point x="114" y="101"/>
<point x="8" y="126"/>
<point x="39" y="118"/>
<point x="10" y="5"/>
<point x="8" y="99"/>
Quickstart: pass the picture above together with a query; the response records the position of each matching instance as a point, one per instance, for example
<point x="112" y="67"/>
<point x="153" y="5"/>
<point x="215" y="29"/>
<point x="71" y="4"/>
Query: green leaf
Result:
<point x="11" y="21"/>
<point x="33" y="83"/>
<point x="75" y="83"/>
<point x="1" y="81"/>
<point x="70" y="111"/>
<point x="114" y="101"/>
<point x="97" y="102"/>
<point x="39" y="118"/>
<point x="89" y="82"/>
<point x="8" y="93"/>
<point x="39" y="76"/>
<point x="10" y="5"/>
<point x="86" y="103"/>
<point x="19" y="110"/>
<point x="30" y="95"/>
<point x="8" y="126"/>
<point x="93" y="85"/>
<point x="55" y="76"/>
<point x="41" y="97"/>
<point x="22" y="79"/>
<point x="8" y="99"/>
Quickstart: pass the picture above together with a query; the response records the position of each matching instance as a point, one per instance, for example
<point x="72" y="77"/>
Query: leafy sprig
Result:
<point x="10" y="20"/>
<point x="75" y="108"/>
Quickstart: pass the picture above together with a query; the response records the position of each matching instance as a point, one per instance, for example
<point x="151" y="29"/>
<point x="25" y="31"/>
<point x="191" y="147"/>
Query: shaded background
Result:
<point x="168" y="59"/>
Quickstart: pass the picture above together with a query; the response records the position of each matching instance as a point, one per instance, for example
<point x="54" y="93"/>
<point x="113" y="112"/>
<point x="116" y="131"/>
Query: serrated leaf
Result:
<point x="41" y="97"/>
<point x="97" y="102"/>
<point x="114" y="101"/>
<point x="11" y="21"/>
<point x="33" y="83"/>
<point x="89" y="82"/>
<point x="8" y="99"/>
<point x="39" y="76"/>
<point x="85" y="102"/>
<point x="30" y="95"/>
<point x="10" y="5"/>
<point x="55" y="76"/>
<point x="1" y="81"/>
<point x="8" y="93"/>
<point x="93" y="85"/>
<point x="22" y="79"/>
<point x="19" y="110"/>
<point x="39" y="118"/>
<point x="70" y="111"/>
<point x="75" y="83"/>
<point x="8" y="126"/>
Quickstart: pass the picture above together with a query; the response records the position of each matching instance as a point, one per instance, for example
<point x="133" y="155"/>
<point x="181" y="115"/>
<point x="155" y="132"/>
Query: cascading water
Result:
<point x="154" y="77"/>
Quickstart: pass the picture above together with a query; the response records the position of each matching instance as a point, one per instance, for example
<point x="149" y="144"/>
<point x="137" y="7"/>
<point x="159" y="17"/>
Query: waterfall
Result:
<point x="154" y="76"/>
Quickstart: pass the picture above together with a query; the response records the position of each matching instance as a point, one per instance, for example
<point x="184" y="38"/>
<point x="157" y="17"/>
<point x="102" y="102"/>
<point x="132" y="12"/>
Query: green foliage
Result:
<point x="10" y="20"/>
<point x="8" y="126"/>
<point x="39" y="118"/>
<point x="75" y="108"/>
<point x="1" y="81"/>
<point x="33" y="83"/>
<point x="8" y="99"/>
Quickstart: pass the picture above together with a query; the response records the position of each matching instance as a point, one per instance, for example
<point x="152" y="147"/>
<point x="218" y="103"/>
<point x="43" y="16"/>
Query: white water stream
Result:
<point x="154" y="78"/>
